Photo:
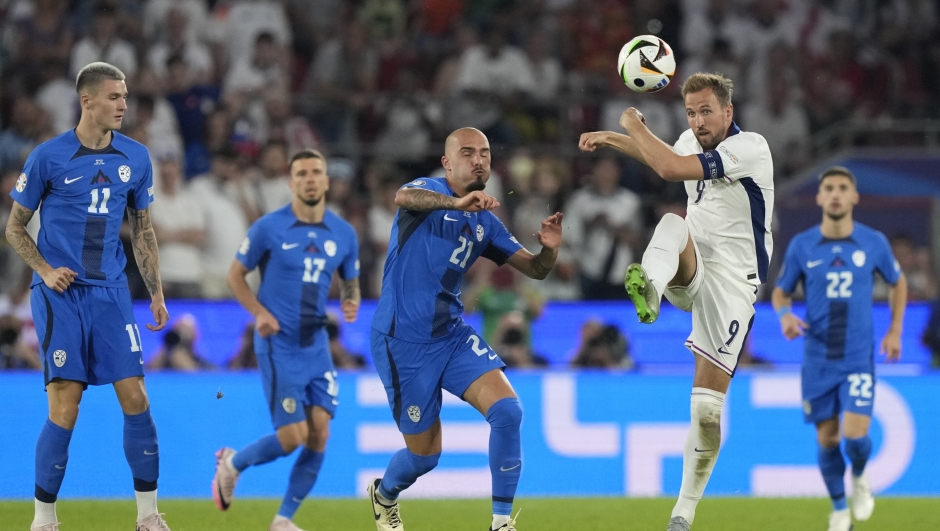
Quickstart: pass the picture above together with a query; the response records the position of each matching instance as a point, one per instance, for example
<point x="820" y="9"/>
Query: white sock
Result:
<point x="229" y="464"/>
<point x="499" y="520"/>
<point x="146" y="503"/>
<point x="701" y="450"/>
<point x="383" y="500"/>
<point x="278" y="518"/>
<point x="661" y="259"/>
<point x="45" y="514"/>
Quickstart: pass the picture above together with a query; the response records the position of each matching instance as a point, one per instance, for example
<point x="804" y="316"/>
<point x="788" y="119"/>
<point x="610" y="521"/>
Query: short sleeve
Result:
<point x="736" y="157"/>
<point x="30" y="186"/>
<point x="423" y="184"/>
<point x="791" y="272"/>
<point x="253" y="247"/>
<point x="885" y="263"/>
<point x="350" y="266"/>
<point x="143" y="190"/>
<point x="501" y="244"/>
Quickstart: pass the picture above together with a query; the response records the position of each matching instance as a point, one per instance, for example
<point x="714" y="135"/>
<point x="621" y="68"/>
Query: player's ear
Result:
<point x="445" y="162"/>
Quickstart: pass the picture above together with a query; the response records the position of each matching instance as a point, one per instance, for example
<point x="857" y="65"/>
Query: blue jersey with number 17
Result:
<point x="838" y="276"/>
<point x="428" y="254"/>
<point x="297" y="261"/>
<point x="83" y="193"/>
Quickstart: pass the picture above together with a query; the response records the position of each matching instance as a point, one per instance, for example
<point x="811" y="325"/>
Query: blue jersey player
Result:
<point x="297" y="248"/>
<point x="420" y="344"/>
<point x="836" y="262"/>
<point x="85" y="179"/>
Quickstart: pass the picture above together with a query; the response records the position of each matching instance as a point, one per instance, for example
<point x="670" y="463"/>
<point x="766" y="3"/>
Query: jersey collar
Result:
<point x="733" y="130"/>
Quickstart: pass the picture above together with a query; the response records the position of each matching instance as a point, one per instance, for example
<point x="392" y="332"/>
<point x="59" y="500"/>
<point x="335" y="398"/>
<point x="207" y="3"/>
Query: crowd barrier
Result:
<point x="586" y="433"/>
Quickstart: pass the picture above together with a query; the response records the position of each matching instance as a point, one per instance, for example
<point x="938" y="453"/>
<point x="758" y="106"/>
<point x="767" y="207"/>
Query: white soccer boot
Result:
<point x="840" y="520"/>
<point x="154" y="522"/>
<point x="223" y="483"/>
<point x="510" y="525"/>
<point x="47" y="527"/>
<point x="678" y="523"/>
<point x="387" y="517"/>
<point x="863" y="503"/>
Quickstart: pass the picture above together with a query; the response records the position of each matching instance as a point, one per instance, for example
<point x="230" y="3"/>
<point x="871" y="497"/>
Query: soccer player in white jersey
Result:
<point x="709" y="263"/>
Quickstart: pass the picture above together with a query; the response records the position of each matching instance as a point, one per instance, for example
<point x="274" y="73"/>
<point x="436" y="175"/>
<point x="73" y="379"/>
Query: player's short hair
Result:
<point x="306" y="154"/>
<point x="94" y="73"/>
<point x="838" y="170"/>
<point x="720" y="85"/>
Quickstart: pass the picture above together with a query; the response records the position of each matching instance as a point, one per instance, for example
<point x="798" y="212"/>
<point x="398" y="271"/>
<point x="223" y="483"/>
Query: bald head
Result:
<point x="467" y="160"/>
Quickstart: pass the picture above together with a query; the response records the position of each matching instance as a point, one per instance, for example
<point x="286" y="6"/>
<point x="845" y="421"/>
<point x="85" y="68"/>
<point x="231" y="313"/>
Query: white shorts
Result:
<point x="722" y="313"/>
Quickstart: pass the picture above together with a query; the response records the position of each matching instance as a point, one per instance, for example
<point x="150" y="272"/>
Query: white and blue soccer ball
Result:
<point x="646" y="64"/>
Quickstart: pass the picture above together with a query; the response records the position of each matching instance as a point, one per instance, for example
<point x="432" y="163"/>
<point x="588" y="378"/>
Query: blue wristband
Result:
<point x="783" y="311"/>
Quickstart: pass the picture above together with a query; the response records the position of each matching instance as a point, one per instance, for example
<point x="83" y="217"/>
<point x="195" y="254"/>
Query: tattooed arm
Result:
<point x="58" y="279"/>
<point x="351" y="297"/>
<point x="148" y="261"/>
<point x="424" y="200"/>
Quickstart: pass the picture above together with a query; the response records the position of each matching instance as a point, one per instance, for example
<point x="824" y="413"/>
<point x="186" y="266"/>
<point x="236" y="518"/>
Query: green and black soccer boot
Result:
<point x="642" y="293"/>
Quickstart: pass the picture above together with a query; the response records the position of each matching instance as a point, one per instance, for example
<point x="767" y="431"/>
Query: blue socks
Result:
<point x="264" y="450"/>
<point x="302" y="478"/>
<point x="52" y="455"/>
<point x="403" y="470"/>
<point x="141" y="450"/>
<point x="832" y="466"/>
<point x="505" y="419"/>
<point x="858" y="451"/>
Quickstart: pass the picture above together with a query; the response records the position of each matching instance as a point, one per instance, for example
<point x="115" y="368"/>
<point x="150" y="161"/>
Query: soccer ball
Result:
<point x="646" y="64"/>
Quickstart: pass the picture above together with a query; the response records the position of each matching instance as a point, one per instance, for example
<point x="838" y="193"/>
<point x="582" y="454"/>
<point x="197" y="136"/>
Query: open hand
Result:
<point x="891" y="346"/>
<point x="792" y="326"/>
<point x="550" y="235"/>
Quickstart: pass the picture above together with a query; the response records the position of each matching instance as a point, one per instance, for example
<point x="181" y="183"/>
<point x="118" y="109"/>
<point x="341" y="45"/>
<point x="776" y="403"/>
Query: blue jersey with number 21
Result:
<point x="83" y="193"/>
<point x="428" y="254"/>
<point x="837" y="277"/>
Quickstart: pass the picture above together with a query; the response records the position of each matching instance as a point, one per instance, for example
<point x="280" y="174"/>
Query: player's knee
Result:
<point x="673" y="224"/>
<point x="64" y="414"/>
<point x="505" y="414"/>
<point x="292" y="436"/>
<point x="424" y="463"/>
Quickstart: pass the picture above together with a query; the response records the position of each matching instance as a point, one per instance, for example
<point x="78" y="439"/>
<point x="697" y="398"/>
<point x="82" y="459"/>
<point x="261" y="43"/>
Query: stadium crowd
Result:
<point x="223" y="91"/>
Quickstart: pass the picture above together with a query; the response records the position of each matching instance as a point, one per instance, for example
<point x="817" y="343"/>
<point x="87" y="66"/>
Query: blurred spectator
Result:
<point x="342" y="81"/>
<point x="57" y="97"/>
<point x="27" y="126"/>
<point x="16" y="277"/>
<point x="178" y="351"/>
<point x="602" y="346"/>
<point x="14" y="353"/>
<point x="286" y="126"/>
<point x="222" y="195"/>
<point x="193" y="104"/>
<point x="272" y="190"/>
<point x="603" y="223"/>
<point x="251" y="77"/>
<point x="783" y="123"/>
<point x="43" y="35"/>
<point x="493" y="81"/>
<point x="915" y="263"/>
<point x="245" y="357"/>
<point x="497" y="293"/>
<point x="513" y="342"/>
<point x="341" y="173"/>
<point x="176" y="23"/>
<point x="103" y="44"/>
<point x="177" y="39"/>
<point x="541" y="120"/>
<point x="383" y="19"/>
<point x="235" y="24"/>
<point x="382" y="216"/>
<point x="405" y="133"/>
<point x="342" y="358"/>
<point x="465" y="37"/>
<point x="149" y="109"/>
<point x="179" y="224"/>
<point x="550" y="184"/>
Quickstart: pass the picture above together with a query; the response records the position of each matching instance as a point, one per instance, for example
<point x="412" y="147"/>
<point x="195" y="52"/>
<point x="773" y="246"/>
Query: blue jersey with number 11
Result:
<point x="838" y="276"/>
<point x="83" y="193"/>
<point x="428" y="254"/>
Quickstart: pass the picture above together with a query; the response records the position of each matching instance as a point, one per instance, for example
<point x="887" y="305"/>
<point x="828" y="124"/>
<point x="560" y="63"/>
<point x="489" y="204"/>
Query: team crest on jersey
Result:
<point x="858" y="258"/>
<point x="479" y="233"/>
<point x="330" y="248"/>
<point x="414" y="413"/>
<point x="289" y="405"/>
<point x="246" y="244"/>
<point x="124" y="172"/>
<point x="58" y="357"/>
<point x="21" y="183"/>
<point x="419" y="182"/>
<point x="150" y="191"/>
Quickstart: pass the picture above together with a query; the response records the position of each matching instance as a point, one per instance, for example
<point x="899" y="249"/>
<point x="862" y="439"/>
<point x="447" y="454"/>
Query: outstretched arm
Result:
<point x="622" y="143"/>
<point x="59" y="278"/>
<point x="660" y="156"/>
<point x="148" y="261"/>
<point x="424" y="200"/>
<point x="538" y="266"/>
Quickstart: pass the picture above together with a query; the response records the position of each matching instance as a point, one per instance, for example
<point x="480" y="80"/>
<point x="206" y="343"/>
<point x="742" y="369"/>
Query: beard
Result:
<point x="476" y="186"/>
<point x="836" y="216"/>
<point x="311" y="202"/>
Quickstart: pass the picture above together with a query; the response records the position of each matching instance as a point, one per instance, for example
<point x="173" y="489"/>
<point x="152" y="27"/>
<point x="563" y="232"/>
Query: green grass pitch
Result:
<point x="538" y="514"/>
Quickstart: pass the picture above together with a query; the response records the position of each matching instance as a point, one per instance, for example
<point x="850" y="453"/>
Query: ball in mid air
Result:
<point x="646" y="64"/>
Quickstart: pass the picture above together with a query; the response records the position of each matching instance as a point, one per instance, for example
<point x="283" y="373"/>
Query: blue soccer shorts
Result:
<point x="88" y="334"/>
<point x="296" y="380"/>
<point x="415" y="373"/>
<point x="833" y="388"/>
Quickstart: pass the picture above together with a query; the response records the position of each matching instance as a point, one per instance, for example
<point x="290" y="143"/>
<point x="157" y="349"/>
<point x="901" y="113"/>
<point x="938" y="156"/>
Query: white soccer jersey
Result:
<point x="729" y="212"/>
